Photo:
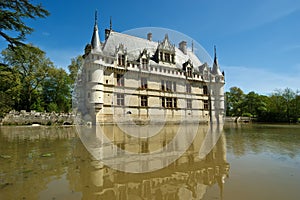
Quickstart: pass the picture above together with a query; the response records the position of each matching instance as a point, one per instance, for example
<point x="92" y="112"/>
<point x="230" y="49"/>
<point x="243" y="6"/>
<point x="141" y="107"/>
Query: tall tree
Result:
<point x="32" y="66"/>
<point x="57" y="91"/>
<point x="13" y="14"/>
<point x="254" y="104"/>
<point x="74" y="67"/>
<point x="234" y="99"/>
<point x="9" y="89"/>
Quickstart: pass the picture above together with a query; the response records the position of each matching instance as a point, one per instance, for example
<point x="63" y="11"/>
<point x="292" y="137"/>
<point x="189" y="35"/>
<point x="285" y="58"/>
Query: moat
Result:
<point x="248" y="161"/>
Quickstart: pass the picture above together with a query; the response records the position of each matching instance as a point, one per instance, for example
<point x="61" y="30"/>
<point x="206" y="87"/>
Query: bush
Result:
<point x="246" y="115"/>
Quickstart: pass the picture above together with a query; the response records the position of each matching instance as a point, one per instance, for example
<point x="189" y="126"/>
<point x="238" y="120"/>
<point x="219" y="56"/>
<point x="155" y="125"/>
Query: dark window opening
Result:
<point x="189" y="72"/>
<point x="163" y="102"/>
<point x="144" y="83"/>
<point x="206" y="105"/>
<point x="205" y="90"/>
<point x="120" y="80"/>
<point x="188" y="88"/>
<point x="169" y="85"/>
<point x="121" y="60"/>
<point x="175" y="102"/>
<point x="189" y="103"/>
<point x="174" y="86"/>
<point x="120" y="99"/>
<point x="144" y="101"/>
<point x="169" y="102"/>
<point x="163" y="85"/>
<point x="144" y="63"/>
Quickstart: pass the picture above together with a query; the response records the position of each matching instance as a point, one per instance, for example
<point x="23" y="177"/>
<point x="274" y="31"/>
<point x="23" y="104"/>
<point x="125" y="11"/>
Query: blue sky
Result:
<point x="258" y="42"/>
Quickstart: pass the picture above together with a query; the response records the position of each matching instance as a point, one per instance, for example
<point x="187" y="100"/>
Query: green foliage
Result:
<point x="281" y="106"/>
<point x="56" y="91"/>
<point x="74" y="67"/>
<point x="29" y="81"/>
<point x="31" y="67"/>
<point x="9" y="89"/>
<point x="13" y="13"/>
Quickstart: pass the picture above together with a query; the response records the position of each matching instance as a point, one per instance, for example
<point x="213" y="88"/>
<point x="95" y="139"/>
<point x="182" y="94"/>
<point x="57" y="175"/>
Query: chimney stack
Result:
<point x="182" y="47"/>
<point x="149" y="36"/>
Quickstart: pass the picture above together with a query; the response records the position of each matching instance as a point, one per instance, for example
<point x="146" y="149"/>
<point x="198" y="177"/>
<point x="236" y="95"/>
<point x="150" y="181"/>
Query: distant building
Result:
<point x="131" y="78"/>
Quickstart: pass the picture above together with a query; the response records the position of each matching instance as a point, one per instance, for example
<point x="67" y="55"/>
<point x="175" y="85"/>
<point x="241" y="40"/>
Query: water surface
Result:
<point x="247" y="162"/>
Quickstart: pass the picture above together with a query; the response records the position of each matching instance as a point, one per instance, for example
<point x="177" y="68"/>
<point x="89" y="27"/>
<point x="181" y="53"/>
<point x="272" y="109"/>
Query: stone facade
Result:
<point x="127" y="78"/>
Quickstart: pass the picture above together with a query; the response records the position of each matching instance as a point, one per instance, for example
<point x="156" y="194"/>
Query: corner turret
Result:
<point x="216" y="69"/>
<point x="95" y="42"/>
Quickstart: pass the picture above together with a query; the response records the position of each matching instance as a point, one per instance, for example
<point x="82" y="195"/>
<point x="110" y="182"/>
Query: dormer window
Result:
<point x="167" y="57"/>
<point x="166" y="51"/>
<point x="121" y="60"/>
<point x="144" y="63"/>
<point x="161" y="56"/>
<point x="189" y="72"/>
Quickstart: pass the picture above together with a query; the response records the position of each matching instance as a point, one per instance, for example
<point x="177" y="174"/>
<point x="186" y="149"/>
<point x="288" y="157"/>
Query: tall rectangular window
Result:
<point x="144" y="83"/>
<point x="174" y="86"/>
<point x="160" y="55"/>
<point x="121" y="60"/>
<point x="162" y="85"/>
<point x="144" y="147"/>
<point x="169" y="102"/>
<point x="144" y="63"/>
<point x="163" y="102"/>
<point x="189" y="72"/>
<point x="189" y="103"/>
<point x="205" y="90"/>
<point x="169" y="85"/>
<point x="206" y="105"/>
<point x="144" y="101"/>
<point x="167" y="57"/>
<point x="175" y="102"/>
<point x="120" y="99"/>
<point x="120" y="80"/>
<point x="188" y="88"/>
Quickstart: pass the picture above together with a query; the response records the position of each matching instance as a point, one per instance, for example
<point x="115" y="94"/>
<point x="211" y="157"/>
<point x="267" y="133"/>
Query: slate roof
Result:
<point x="135" y="45"/>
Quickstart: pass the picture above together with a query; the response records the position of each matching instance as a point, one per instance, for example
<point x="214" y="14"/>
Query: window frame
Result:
<point x="189" y="103"/>
<point x="144" y="82"/>
<point x="144" y="101"/>
<point x="120" y="80"/>
<point x="205" y="104"/>
<point x="120" y="99"/>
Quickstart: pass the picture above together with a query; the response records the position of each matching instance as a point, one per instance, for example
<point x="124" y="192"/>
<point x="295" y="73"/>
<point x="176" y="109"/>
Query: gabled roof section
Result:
<point x="166" y="45"/>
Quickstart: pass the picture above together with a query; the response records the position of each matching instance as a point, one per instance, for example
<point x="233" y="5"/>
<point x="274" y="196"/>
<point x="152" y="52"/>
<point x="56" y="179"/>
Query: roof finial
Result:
<point x="215" y="49"/>
<point x="110" y="23"/>
<point x="96" y="16"/>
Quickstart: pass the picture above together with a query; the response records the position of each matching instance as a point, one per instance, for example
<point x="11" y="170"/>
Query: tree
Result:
<point x="57" y="91"/>
<point x="234" y="101"/>
<point x="32" y="68"/>
<point x="9" y="89"/>
<point x="254" y="104"/>
<point x="13" y="13"/>
<point x="74" y="67"/>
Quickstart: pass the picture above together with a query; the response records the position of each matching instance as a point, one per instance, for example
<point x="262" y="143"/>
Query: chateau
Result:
<point x="131" y="79"/>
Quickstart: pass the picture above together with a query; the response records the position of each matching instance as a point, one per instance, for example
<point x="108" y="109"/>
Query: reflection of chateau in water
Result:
<point x="28" y="174"/>
<point x="188" y="177"/>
